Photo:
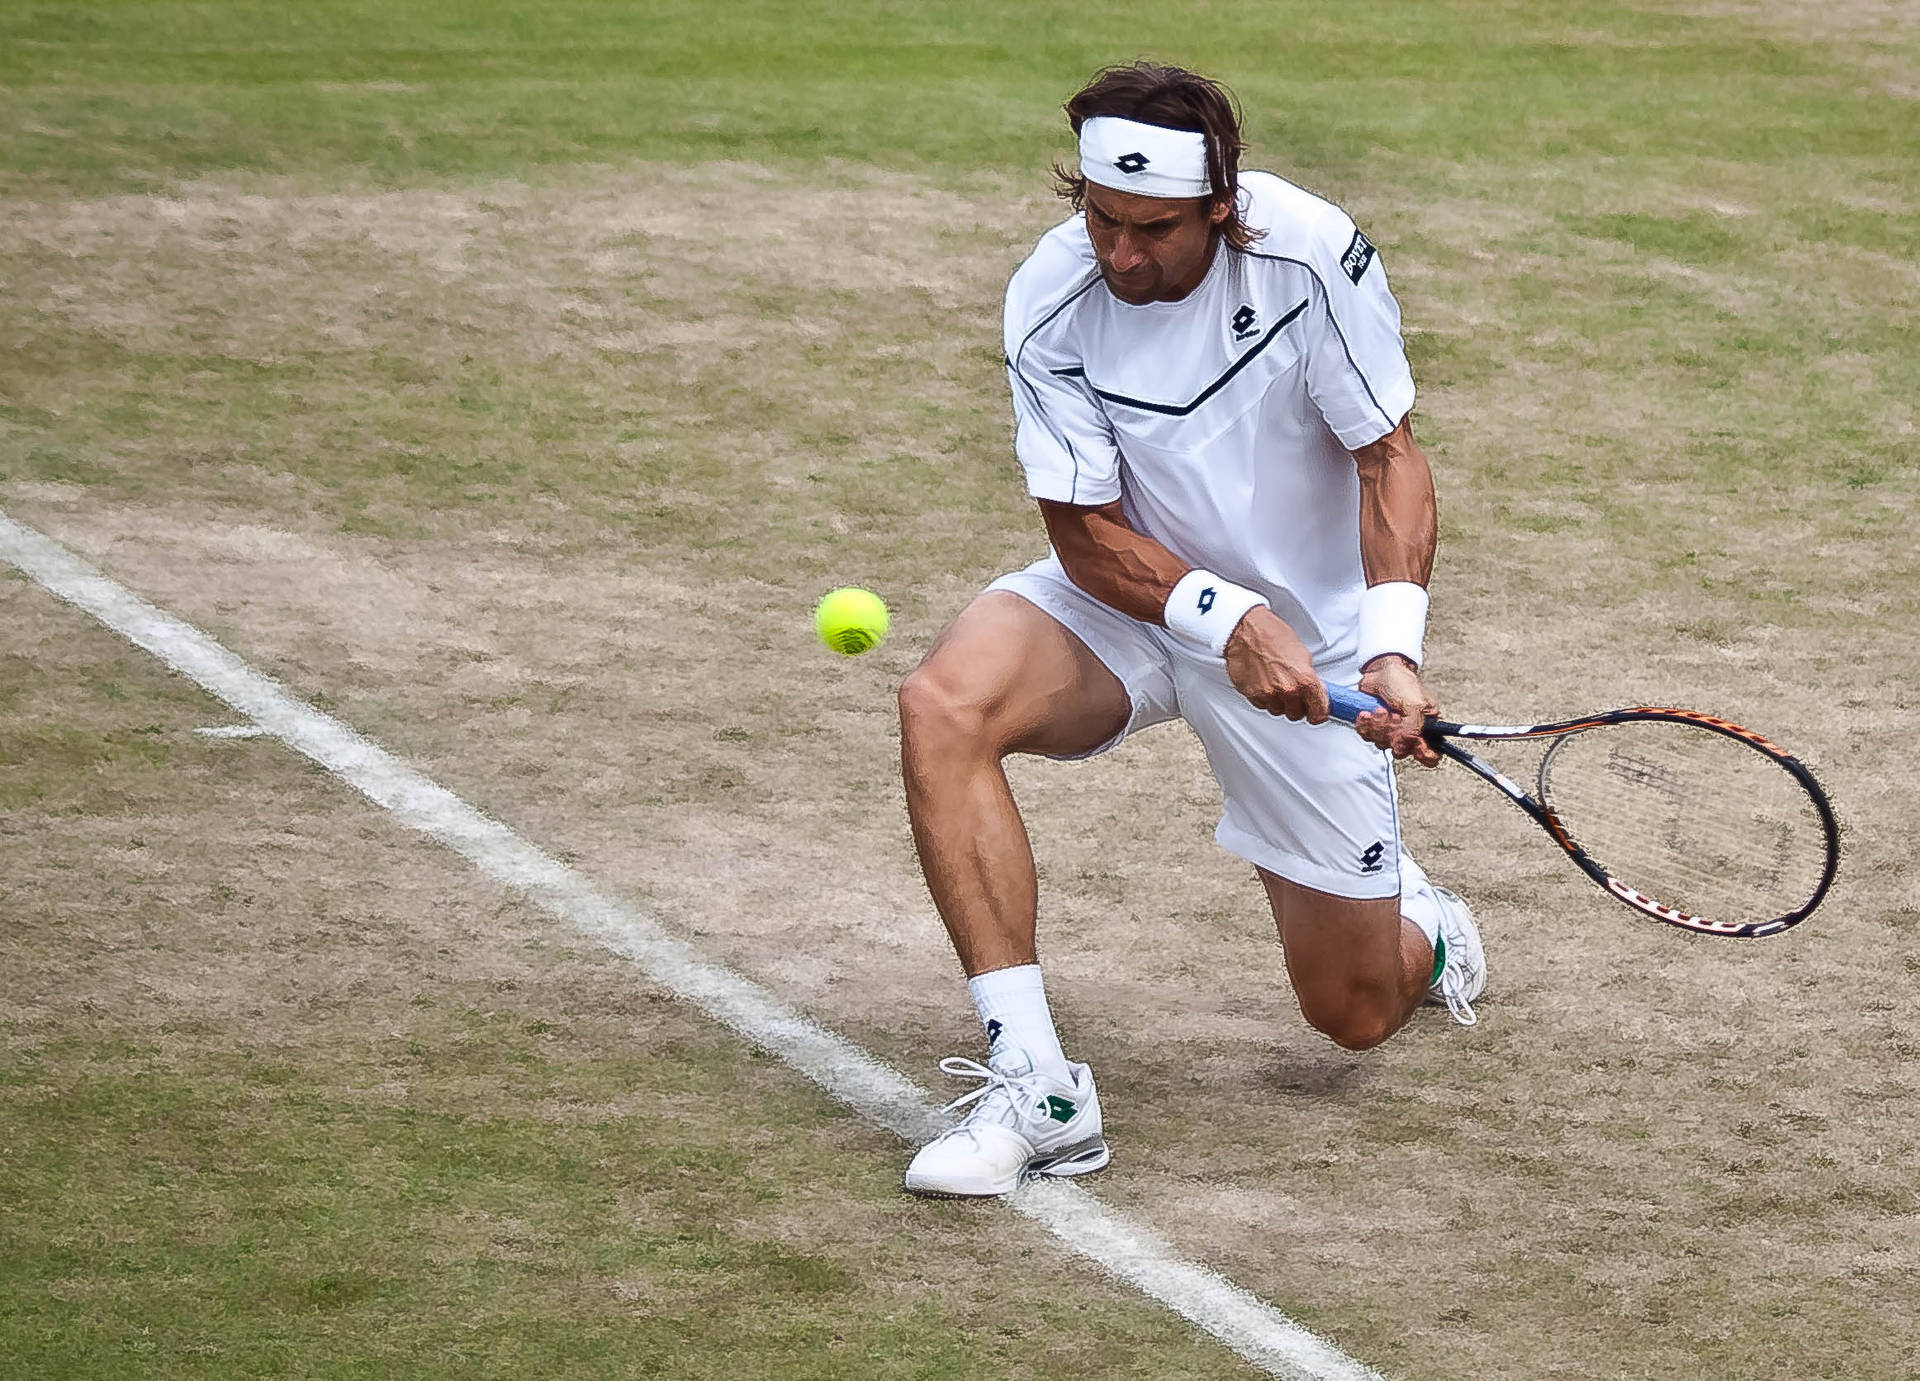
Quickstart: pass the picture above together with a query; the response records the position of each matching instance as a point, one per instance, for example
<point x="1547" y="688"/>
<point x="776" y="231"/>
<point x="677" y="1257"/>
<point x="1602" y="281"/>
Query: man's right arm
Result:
<point x="1127" y="570"/>
<point x="1106" y="557"/>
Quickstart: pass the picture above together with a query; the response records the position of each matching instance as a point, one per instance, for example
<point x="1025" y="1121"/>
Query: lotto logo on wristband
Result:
<point x="1202" y="610"/>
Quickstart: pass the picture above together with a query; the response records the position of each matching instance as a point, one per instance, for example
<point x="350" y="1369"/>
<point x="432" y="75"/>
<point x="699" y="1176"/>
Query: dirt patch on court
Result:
<point x="645" y="259"/>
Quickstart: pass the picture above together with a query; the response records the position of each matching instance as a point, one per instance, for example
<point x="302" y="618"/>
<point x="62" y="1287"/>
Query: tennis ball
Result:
<point x="851" y="620"/>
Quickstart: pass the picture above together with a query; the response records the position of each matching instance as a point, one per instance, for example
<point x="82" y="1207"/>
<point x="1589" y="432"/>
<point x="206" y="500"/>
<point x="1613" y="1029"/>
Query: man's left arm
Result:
<point x="1398" y="527"/>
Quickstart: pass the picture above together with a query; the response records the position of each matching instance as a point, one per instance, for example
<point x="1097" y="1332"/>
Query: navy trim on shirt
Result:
<point x="1183" y="409"/>
<point x="1352" y="363"/>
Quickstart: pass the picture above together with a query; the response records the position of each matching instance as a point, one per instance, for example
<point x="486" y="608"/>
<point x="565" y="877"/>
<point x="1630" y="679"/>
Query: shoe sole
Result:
<point x="1083" y="1159"/>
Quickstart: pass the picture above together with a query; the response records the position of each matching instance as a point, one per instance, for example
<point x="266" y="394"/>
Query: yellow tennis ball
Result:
<point x="851" y="620"/>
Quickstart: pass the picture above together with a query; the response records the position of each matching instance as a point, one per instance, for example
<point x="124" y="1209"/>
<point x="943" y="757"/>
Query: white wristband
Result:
<point x="1203" y="610"/>
<point x="1393" y="618"/>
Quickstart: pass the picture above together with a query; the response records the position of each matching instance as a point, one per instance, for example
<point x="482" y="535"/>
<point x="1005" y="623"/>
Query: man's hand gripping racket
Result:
<point x="1693" y="820"/>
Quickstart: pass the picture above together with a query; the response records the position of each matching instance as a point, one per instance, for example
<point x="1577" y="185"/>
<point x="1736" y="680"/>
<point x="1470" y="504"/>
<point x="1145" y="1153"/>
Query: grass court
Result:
<point x="509" y="381"/>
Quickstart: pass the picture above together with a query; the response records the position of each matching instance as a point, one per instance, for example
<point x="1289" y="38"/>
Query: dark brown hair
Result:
<point x="1172" y="98"/>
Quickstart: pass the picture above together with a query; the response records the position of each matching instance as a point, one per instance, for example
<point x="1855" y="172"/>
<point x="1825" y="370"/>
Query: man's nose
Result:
<point x="1127" y="255"/>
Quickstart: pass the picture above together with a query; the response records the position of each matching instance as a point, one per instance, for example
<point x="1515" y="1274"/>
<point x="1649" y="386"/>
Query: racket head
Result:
<point x="1686" y="817"/>
<point x="1691" y="819"/>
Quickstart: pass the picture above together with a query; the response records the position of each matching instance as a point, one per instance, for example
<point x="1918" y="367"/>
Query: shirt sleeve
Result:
<point x="1061" y="434"/>
<point x="1357" y="371"/>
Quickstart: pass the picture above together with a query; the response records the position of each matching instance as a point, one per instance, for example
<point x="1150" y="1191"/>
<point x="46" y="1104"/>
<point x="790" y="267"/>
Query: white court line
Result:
<point x="880" y="1094"/>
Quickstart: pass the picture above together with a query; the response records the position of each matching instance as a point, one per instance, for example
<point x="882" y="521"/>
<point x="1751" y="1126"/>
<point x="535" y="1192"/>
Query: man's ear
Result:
<point x="1220" y="210"/>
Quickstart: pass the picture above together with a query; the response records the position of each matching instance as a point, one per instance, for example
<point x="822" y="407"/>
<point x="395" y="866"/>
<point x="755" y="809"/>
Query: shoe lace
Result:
<point x="998" y="1094"/>
<point x="1453" y="987"/>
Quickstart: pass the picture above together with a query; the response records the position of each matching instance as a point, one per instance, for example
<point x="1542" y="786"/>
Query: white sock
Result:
<point x="1013" y="1007"/>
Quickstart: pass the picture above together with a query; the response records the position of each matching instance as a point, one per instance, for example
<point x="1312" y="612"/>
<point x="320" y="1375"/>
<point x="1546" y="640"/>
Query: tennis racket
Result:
<point x="1695" y="821"/>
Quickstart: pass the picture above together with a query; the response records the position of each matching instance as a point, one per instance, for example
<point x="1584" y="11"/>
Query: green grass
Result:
<point x="236" y="1214"/>
<point x="132" y="95"/>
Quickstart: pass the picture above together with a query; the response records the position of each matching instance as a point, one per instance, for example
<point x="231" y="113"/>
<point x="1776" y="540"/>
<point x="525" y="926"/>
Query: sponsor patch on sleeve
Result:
<point x="1358" y="258"/>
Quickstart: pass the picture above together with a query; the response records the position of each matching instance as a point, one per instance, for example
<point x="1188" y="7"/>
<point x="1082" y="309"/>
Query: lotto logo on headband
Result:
<point x="1151" y="160"/>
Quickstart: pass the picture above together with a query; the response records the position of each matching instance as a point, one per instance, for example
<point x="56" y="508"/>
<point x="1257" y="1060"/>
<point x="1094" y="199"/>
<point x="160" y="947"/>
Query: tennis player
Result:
<point x="1211" y="402"/>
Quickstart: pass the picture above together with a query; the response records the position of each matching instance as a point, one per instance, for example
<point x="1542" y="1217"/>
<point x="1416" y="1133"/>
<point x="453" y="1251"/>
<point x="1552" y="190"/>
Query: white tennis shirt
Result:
<point x="1224" y="422"/>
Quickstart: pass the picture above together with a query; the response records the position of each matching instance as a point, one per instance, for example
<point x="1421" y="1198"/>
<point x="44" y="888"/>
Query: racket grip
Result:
<point x="1348" y="705"/>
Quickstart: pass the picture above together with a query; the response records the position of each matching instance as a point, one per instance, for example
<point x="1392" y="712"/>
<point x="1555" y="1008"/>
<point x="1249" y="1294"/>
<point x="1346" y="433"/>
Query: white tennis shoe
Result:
<point x="1463" y="974"/>
<point x="1022" y="1123"/>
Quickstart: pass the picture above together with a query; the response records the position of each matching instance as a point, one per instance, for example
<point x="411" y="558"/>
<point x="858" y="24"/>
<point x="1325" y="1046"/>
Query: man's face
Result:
<point x="1151" y="249"/>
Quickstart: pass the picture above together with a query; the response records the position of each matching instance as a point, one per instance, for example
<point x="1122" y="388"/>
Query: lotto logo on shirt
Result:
<point x="1358" y="258"/>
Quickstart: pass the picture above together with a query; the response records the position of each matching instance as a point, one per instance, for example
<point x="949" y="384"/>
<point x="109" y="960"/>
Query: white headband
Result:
<point x="1149" y="159"/>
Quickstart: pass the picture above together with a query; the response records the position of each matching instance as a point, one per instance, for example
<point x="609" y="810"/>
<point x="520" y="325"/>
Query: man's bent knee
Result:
<point x="940" y="718"/>
<point x="1007" y="677"/>
<point x="1363" y="1018"/>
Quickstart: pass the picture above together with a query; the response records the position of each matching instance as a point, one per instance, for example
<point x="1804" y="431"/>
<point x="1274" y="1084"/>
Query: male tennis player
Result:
<point x="1211" y="403"/>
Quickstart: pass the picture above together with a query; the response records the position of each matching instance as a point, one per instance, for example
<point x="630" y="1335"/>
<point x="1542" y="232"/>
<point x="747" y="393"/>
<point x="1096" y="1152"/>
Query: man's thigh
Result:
<point x="1335" y="944"/>
<point x="1051" y="669"/>
<point x="1037" y="687"/>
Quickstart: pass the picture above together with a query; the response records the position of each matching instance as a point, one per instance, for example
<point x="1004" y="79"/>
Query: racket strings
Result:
<point x="1698" y="821"/>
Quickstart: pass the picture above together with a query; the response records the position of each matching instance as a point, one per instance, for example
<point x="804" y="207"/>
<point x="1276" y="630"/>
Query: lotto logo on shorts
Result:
<point x="1370" y="857"/>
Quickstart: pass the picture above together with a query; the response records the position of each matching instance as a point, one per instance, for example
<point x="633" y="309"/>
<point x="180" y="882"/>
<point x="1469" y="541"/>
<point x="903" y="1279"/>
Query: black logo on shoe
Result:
<point x="993" y="1033"/>
<point x="1243" y="323"/>
<point x="1358" y="258"/>
<point x="1206" y="600"/>
<point x="1371" y="855"/>
<point x="1131" y="162"/>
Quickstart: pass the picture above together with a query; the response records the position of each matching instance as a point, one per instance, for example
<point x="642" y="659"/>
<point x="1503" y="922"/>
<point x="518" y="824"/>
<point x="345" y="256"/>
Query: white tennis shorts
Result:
<point x="1313" y="803"/>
